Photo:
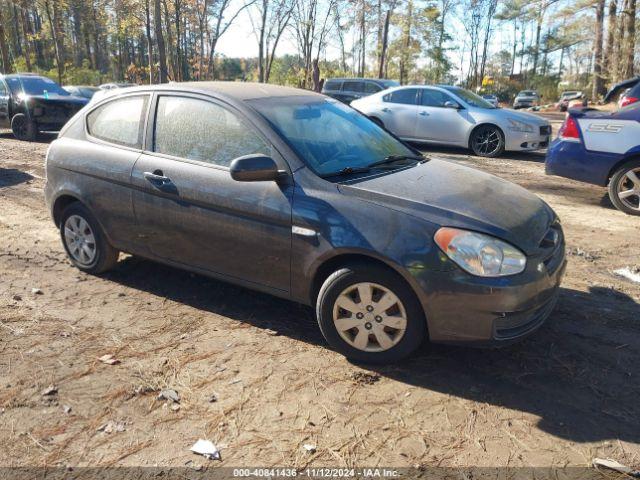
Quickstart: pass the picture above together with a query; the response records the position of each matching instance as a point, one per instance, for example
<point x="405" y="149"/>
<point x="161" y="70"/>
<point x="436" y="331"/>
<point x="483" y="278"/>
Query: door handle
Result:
<point x="424" y="114"/>
<point x="156" y="177"/>
<point x="386" y="110"/>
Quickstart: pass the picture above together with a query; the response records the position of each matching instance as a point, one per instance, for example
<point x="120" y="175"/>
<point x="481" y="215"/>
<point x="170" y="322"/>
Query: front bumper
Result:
<point x="465" y="309"/>
<point x="524" y="141"/>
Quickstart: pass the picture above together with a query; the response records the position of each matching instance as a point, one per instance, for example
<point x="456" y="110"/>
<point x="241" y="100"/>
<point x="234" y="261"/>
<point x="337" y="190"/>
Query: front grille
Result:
<point x="552" y="245"/>
<point x="516" y="324"/>
<point x="545" y="130"/>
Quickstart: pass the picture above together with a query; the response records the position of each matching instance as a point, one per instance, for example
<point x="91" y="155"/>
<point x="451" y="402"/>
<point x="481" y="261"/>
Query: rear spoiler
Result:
<point x="582" y="111"/>
<point x="619" y="87"/>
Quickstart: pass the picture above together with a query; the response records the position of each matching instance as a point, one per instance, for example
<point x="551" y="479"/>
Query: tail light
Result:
<point x="628" y="101"/>
<point x="569" y="130"/>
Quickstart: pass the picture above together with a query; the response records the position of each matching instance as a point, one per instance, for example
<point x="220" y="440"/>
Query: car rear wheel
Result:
<point x="369" y="314"/>
<point x="624" y="188"/>
<point x="487" y="141"/>
<point x="84" y="241"/>
<point x="24" y="128"/>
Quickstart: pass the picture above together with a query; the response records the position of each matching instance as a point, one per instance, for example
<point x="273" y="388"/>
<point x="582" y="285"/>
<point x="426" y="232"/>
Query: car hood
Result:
<point x="55" y="99"/>
<point x="506" y="113"/>
<point x="447" y="194"/>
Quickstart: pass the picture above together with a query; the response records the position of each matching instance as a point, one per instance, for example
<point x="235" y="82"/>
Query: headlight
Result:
<point x="518" y="126"/>
<point x="480" y="254"/>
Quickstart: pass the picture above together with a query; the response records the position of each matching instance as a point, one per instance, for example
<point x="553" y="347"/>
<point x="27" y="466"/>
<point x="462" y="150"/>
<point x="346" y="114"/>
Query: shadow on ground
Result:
<point x="43" y="137"/>
<point x="11" y="176"/>
<point x="434" y="150"/>
<point x="578" y="373"/>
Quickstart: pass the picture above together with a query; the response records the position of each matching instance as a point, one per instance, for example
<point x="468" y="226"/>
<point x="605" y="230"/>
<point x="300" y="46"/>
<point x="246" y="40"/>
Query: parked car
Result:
<point x="82" y="90"/>
<point x="628" y="92"/>
<point x="30" y="104"/>
<point x="454" y="116"/>
<point x="348" y="89"/>
<point x="292" y="193"/>
<point x="492" y="99"/>
<point x="571" y="98"/>
<point x="106" y="88"/>
<point x="526" y="99"/>
<point x="601" y="148"/>
<point x="112" y="85"/>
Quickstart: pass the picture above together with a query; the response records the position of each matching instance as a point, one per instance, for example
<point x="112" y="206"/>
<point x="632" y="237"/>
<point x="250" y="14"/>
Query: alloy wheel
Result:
<point x="369" y="317"/>
<point x="20" y="128"/>
<point x="486" y="141"/>
<point x="628" y="190"/>
<point x="80" y="240"/>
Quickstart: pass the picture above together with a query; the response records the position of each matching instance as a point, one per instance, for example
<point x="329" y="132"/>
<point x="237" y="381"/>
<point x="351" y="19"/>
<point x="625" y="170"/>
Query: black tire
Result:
<point x="105" y="256"/>
<point x="356" y="273"/>
<point x="487" y="141"/>
<point x="620" y="182"/>
<point x="24" y="128"/>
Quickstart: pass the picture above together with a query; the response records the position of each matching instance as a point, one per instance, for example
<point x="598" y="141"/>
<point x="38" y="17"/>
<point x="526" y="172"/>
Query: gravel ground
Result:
<point x="254" y="375"/>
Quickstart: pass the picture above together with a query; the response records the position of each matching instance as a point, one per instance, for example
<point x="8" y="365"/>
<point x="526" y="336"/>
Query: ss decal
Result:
<point x="606" y="127"/>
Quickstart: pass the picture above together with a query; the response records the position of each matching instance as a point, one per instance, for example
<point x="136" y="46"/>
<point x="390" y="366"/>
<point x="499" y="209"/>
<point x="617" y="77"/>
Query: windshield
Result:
<point x="470" y="98"/>
<point x="527" y="93"/>
<point x="34" y="86"/>
<point x="328" y="135"/>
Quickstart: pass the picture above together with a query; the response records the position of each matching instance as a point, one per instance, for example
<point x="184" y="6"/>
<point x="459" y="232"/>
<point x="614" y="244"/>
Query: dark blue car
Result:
<point x="602" y="148"/>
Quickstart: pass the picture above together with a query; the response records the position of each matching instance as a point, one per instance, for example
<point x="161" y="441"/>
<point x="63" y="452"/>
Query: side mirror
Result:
<point x="450" y="104"/>
<point x="254" y="168"/>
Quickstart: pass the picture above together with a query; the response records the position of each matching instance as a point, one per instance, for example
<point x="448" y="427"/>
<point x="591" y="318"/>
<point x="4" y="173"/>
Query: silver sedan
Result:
<point x="454" y="116"/>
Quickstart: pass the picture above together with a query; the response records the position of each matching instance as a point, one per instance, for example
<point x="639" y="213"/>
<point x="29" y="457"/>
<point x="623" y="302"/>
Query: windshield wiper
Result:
<point x="396" y="158"/>
<point x="385" y="161"/>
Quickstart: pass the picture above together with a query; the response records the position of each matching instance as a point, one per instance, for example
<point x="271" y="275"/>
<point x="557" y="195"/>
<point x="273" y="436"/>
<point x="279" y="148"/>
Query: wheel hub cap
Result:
<point x="80" y="240"/>
<point x="369" y="317"/>
<point x="629" y="189"/>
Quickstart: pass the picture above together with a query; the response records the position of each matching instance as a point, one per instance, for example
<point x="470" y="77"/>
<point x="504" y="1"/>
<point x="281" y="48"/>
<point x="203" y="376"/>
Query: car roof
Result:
<point x="19" y="75"/>
<point x="234" y="90"/>
<point x="360" y="79"/>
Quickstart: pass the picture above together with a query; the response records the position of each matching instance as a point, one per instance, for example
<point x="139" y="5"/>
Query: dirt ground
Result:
<point x="255" y="376"/>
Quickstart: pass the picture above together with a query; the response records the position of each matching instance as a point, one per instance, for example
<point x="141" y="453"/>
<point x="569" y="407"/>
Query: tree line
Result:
<point x="587" y="44"/>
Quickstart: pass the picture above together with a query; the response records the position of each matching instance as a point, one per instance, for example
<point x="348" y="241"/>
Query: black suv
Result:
<point x="348" y="89"/>
<point x="30" y="104"/>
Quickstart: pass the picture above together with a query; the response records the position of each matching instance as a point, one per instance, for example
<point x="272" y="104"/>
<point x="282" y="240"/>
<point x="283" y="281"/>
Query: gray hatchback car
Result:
<point x="296" y="194"/>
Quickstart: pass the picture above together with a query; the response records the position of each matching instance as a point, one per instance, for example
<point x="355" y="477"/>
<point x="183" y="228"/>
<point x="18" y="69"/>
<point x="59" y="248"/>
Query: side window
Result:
<point x="434" y="98"/>
<point x="3" y="89"/>
<point x="406" y="96"/>
<point x="200" y="130"/>
<point x="120" y="121"/>
<point x="371" y="87"/>
<point x="333" y="85"/>
<point x="352" y="87"/>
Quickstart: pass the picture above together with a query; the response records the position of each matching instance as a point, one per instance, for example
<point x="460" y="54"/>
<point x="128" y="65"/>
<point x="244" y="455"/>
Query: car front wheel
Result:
<point x="487" y="141"/>
<point x="84" y="241"/>
<point x="624" y="188"/>
<point x="369" y="314"/>
<point x="24" y="128"/>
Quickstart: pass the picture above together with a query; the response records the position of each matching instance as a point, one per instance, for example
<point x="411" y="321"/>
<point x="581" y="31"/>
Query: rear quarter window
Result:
<point x="406" y="96"/>
<point x="119" y="121"/>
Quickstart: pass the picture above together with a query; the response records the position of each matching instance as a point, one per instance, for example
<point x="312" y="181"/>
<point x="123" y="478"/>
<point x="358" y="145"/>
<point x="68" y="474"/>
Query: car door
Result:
<point x="190" y="209"/>
<point x="5" y="121"/>
<point x="371" y="87"/>
<point x="352" y="90"/>
<point x="437" y="123"/>
<point x="398" y="112"/>
<point x="100" y="168"/>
